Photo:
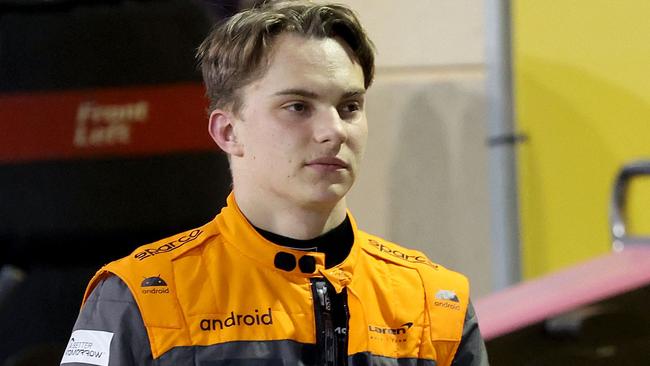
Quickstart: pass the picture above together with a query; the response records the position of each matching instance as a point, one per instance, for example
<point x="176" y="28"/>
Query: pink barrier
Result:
<point x="533" y="301"/>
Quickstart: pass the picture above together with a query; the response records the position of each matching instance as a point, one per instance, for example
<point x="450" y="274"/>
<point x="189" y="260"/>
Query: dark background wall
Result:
<point x="61" y="219"/>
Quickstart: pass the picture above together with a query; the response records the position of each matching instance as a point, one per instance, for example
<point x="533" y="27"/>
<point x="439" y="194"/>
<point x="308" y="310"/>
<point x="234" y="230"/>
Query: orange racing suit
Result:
<point x="222" y="294"/>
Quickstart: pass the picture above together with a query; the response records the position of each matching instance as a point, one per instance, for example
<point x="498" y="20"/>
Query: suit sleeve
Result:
<point x="471" y="351"/>
<point x="109" y="329"/>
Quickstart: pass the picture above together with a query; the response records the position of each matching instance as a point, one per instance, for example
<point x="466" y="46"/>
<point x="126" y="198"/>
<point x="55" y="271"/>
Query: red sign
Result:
<point x="128" y="121"/>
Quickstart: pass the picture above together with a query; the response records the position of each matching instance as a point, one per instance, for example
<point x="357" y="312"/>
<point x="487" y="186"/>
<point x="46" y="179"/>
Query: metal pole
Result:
<point x="501" y="142"/>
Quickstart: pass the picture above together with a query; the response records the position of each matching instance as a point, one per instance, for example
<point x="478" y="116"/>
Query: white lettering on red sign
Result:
<point x="107" y="125"/>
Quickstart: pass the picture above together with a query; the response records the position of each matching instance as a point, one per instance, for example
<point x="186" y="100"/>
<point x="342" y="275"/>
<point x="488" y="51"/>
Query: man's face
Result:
<point x="303" y="126"/>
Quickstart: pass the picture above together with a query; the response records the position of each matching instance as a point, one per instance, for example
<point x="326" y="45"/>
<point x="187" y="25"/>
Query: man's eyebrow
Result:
<point x="310" y="94"/>
<point x="300" y="92"/>
<point x="354" y="93"/>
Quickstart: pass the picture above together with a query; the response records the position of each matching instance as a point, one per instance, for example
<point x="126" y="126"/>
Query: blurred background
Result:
<point x="509" y="140"/>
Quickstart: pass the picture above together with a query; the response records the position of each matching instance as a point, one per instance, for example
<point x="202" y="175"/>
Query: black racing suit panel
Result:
<point x="112" y="308"/>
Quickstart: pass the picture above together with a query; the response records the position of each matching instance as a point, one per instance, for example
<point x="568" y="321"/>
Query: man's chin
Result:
<point x="330" y="195"/>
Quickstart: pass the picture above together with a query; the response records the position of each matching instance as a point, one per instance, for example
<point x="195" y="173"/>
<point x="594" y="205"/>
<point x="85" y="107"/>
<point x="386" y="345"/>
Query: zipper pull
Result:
<point x="323" y="296"/>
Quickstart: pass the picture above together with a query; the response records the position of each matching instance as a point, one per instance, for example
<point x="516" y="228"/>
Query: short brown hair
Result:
<point x="235" y="52"/>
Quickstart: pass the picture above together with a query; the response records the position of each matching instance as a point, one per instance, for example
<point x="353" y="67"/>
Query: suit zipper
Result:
<point x="344" y="354"/>
<point x="325" y="341"/>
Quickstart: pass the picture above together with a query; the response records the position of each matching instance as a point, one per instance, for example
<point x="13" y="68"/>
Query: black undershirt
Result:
<point x="336" y="243"/>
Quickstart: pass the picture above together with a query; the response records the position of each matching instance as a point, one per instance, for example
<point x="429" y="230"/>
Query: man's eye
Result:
<point x="296" y="107"/>
<point x="351" y="107"/>
<point x="354" y="107"/>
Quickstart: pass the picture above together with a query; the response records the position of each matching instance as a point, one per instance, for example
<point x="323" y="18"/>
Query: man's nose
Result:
<point x="330" y="127"/>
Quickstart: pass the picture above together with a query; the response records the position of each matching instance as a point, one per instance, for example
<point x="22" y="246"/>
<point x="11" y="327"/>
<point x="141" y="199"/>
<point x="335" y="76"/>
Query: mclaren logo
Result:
<point x="398" y="254"/>
<point x="168" y="247"/>
<point x="396" y="331"/>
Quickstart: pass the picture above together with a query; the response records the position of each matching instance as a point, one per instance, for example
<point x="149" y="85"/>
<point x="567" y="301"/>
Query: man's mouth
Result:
<point x="328" y="163"/>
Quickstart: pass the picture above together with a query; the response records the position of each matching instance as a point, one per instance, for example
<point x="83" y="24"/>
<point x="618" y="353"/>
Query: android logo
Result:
<point x="153" y="281"/>
<point x="447" y="295"/>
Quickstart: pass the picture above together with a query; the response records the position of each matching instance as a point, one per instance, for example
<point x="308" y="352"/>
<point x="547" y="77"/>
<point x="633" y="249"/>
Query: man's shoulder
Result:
<point x="168" y="248"/>
<point x="395" y="253"/>
<point x="151" y="260"/>
<point x="386" y="250"/>
<point x="172" y="246"/>
<point x="448" y="289"/>
<point x="148" y="271"/>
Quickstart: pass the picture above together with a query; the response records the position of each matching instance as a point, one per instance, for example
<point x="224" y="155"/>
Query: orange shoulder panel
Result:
<point x="149" y="275"/>
<point x="446" y="296"/>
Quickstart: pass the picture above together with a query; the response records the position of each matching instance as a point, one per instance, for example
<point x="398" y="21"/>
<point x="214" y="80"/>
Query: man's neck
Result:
<point x="290" y="220"/>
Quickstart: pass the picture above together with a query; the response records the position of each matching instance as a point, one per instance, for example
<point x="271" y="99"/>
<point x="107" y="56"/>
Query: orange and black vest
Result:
<point x="224" y="293"/>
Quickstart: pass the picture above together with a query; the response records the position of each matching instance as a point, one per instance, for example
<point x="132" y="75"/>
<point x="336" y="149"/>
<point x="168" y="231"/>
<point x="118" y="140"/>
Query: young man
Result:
<point x="282" y="276"/>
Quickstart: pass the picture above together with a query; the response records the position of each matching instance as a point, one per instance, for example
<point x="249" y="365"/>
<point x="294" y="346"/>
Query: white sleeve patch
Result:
<point x="88" y="346"/>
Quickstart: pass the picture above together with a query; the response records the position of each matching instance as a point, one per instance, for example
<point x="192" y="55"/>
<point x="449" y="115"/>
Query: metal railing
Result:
<point x="620" y="236"/>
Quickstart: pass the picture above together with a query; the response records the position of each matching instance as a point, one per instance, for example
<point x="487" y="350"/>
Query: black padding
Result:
<point x="307" y="264"/>
<point x="285" y="261"/>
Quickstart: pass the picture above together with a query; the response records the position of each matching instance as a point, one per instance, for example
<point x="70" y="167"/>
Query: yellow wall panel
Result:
<point x="582" y="96"/>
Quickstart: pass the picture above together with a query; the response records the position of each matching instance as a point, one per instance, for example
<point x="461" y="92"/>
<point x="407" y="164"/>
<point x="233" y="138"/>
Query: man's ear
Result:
<point x="222" y="130"/>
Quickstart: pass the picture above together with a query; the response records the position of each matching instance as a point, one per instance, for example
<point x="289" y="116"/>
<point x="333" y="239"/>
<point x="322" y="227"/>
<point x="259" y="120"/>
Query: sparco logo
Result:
<point x="106" y="125"/>
<point x="235" y="320"/>
<point x="150" y="252"/>
<point x="401" y="330"/>
<point x="396" y="253"/>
